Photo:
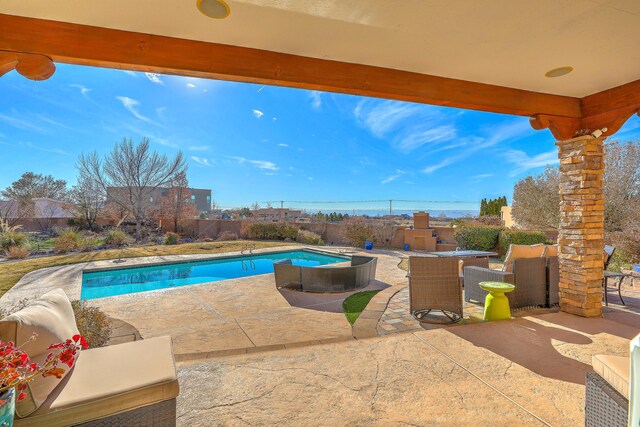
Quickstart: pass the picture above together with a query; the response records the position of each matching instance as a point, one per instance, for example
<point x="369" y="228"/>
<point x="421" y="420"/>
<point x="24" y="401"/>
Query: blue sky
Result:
<point x="251" y="142"/>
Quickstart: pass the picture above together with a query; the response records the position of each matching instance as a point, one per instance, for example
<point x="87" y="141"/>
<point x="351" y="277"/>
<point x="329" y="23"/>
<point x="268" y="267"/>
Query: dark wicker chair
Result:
<point x="469" y="262"/>
<point x="553" y="281"/>
<point x="604" y="405"/>
<point x="529" y="276"/>
<point x="434" y="285"/>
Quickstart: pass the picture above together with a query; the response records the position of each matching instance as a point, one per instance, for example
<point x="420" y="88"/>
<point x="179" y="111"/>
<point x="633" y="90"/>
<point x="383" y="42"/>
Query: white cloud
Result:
<point x="503" y="132"/>
<point x="274" y="119"/>
<point x="523" y="162"/>
<point x="316" y="99"/>
<point x="165" y="142"/>
<point x="257" y="113"/>
<point x="202" y="161"/>
<point x="155" y="78"/>
<point x="190" y="85"/>
<point x="393" y="177"/>
<point x="408" y="126"/>
<point x="483" y="175"/>
<point x="132" y="105"/>
<point x="160" y="112"/>
<point x="131" y="73"/>
<point x="260" y="164"/>
<point x="283" y="145"/>
<point x="264" y="164"/>
<point x="83" y="90"/>
<point x="413" y="140"/>
<point x="47" y="150"/>
<point x="21" y="124"/>
<point x="380" y="118"/>
<point x="445" y="162"/>
<point x="199" y="148"/>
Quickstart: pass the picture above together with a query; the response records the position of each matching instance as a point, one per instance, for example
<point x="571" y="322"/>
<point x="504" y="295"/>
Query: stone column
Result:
<point x="581" y="233"/>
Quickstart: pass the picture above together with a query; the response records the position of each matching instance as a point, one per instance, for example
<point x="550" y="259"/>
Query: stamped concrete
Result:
<point x="225" y="317"/>
<point x="525" y="371"/>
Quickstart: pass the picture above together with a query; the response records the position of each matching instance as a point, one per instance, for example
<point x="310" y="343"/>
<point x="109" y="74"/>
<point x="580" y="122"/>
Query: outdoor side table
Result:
<point x="496" y="304"/>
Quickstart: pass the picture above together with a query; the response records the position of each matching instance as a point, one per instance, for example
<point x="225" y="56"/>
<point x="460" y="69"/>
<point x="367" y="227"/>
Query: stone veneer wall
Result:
<point x="581" y="233"/>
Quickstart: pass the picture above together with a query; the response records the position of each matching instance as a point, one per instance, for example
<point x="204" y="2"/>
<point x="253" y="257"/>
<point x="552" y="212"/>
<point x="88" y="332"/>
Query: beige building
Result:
<point x="507" y="218"/>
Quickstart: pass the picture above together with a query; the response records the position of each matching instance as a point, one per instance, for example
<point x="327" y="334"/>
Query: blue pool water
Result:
<point x="109" y="283"/>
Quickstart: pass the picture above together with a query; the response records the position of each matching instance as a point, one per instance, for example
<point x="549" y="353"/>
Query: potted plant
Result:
<point x="17" y="370"/>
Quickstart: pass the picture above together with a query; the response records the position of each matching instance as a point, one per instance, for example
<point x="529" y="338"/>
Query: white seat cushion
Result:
<point x="519" y="252"/>
<point x="615" y="370"/>
<point x="51" y="317"/>
<point x="111" y="380"/>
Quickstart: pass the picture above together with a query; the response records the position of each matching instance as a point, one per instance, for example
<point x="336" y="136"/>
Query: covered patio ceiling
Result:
<point x="488" y="56"/>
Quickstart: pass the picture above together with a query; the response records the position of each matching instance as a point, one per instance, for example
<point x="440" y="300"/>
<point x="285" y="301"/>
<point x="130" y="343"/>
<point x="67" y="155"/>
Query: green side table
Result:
<point x="496" y="305"/>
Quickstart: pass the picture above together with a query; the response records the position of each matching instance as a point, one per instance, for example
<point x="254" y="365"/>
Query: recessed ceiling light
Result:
<point x="558" y="72"/>
<point x="216" y="9"/>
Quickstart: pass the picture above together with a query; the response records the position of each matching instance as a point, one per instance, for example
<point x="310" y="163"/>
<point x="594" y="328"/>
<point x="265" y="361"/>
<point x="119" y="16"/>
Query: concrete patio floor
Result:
<point x="525" y="371"/>
<point x="219" y="318"/>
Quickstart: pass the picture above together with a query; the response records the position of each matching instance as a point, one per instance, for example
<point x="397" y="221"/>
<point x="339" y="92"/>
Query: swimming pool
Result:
<point x="107" y="283"/>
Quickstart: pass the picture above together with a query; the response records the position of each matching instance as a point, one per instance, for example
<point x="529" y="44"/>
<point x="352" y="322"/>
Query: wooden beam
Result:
<point x="103" y="47"/>
<point x="617" y="98"/>
<point x="34" y="67"/>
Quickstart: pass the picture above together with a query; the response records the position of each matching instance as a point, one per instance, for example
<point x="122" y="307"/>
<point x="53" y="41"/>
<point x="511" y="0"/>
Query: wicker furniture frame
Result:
<point x="553" y="281"/>
<point x="529" y="276"/>
<point x="473" y="262"/>
<point x="604" y="405"/>
<point x="161" y="414"/>
<point x="434" y="284"/>
<point x="326" y="279"/>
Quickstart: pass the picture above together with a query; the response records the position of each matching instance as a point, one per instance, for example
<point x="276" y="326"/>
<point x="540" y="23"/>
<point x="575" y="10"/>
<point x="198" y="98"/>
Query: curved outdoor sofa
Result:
<point x="324" y="278"/>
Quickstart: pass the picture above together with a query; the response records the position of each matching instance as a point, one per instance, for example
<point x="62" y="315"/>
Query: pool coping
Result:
<point x="89" y="269"/>
<point x="36" y="283"/>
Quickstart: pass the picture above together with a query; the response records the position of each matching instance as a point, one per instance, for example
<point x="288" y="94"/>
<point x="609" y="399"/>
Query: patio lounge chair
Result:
<point x="434" y="285"/>
<point x="610" y="388"/>
<point x="524" y="266"/>
<point x="126" y="384"/>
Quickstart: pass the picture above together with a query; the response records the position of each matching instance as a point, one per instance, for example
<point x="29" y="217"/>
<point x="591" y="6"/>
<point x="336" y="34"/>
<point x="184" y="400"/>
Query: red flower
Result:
<point x="17" y="370"/>
<point x="67" y="358"/>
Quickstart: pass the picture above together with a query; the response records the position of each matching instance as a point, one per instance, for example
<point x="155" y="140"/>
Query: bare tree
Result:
<point x="130" y="174"/>
<point x="177" y="205"/>
<point x="10" y="212"/>
<point x="20" y="194"/>
<point x="87" y="200"/>
<point x="621" y="184"/>
<point x="536" y="201"/>
<point x="255" y="206"/>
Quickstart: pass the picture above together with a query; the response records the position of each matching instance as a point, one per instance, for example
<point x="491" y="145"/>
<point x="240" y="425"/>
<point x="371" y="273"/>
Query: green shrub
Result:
<point x="92" y="322"/>
<point x="309" y="238"/>
<point x="12" y="238"/>
<point x="517" y="237"/>
<point x="272" y="231"/>
<point x="358" y="232"/>
<point x="482" y="238"/>
<point x="67" y="240"/>
<point x="117" y="238"/>
<point x="171" y="238"/>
